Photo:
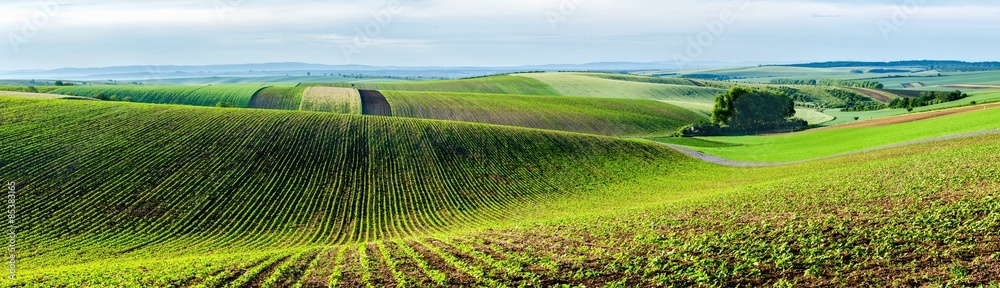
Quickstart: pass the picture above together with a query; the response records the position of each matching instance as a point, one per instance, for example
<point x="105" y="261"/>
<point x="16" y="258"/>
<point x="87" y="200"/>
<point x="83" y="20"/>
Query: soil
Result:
<point x="374" y="103"/>
<point x="872" y="94"/>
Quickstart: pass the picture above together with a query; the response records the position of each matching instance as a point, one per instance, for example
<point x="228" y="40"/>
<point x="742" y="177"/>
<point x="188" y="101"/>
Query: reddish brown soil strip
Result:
<point x="381" y="276"/>
<point x="912" y="117"/>
<point x="350" y="276"/>
<point x="407" y="267"/>
<point x="260" y="277"/>
<point x="374" y="103"/>
<point x="872" y="94"/>
<point x="455" y="277"/>
<point x="324" y="267"/>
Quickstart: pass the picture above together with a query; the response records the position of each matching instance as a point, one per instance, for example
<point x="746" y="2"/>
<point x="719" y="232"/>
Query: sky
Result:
<point x="48" y="34"/>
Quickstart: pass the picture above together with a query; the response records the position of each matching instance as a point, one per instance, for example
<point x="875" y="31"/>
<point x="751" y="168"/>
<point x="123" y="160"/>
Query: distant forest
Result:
<point x="943" y="66"/>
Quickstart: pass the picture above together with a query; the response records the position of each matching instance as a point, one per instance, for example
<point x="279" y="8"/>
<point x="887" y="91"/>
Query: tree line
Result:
<point x="830" y="82"/>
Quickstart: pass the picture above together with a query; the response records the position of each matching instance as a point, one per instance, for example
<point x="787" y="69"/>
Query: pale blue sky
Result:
<point x="94" y="33"/>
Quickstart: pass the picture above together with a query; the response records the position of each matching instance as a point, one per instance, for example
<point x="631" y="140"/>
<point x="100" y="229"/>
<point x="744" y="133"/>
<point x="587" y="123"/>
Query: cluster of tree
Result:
<point x="829" y="82"/>
<point x="854" y="101"/>
<point x="61" y="83"/>
<point x="857" y="71"/>
<point x="927" y="98"/>
<point x="746" y="111"/>
<point x="943" y="66"/>
<point x="795" y="94"/>
<point x="105" y="97"/>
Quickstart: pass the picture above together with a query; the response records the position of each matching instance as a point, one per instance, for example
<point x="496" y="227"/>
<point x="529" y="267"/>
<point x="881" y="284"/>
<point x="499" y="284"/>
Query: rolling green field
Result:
<point x="688" y="95"/>
<point x="238" y="95"/>
<point x="816" y="144"/>
<point x="339" y="200"/>
<point x="503" y="84"/>
<point x="280" y="98"/>
<point x="612" y="117"/>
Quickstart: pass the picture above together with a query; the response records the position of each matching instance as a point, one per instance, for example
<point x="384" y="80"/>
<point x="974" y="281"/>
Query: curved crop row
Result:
<point x="280" y="98"/>
<point x="210" y="95"/>
<point x="130" y="178"/>
<point x="613" y="117"/>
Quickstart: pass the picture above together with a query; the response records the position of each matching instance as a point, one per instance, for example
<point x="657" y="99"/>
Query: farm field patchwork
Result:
<point x="581" y="84"/>
<point x="612" y="117"/>
<point x="827" y="142"/>
<point x="503" y="84"/>
<point x="672" y="221"/>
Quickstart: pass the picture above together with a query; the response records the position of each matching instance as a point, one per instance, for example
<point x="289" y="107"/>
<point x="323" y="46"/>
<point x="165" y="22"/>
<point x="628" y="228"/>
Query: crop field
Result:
<point x="340" y="200"/>
<point x="238" y="95"/>
<point x="280" y="98"/>
<point x="612" y="117"/>
<point x="826" y="142"/>
<point x="576" y="84"/>
<point x="504" y="84"/>
<point x="332" y="99"/>
<point x="374" y="103"/>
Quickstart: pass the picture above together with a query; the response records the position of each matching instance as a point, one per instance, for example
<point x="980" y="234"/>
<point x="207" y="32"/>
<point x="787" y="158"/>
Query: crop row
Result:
<point x="210" y="95"/>
<point x="146" y="180"/>
<point x="614" y="117"/>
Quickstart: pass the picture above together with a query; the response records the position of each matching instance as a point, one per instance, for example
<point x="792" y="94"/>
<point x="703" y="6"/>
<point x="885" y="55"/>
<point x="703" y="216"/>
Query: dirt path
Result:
<point x="374" y="103"/>
<point x="734" y="163"/>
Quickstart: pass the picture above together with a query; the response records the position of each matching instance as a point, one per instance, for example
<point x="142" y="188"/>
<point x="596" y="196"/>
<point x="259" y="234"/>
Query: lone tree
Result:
<point x="750" y="109"/>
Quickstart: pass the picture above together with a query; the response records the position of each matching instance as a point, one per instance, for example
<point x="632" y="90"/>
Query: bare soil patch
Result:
<point x="374" y="103"/>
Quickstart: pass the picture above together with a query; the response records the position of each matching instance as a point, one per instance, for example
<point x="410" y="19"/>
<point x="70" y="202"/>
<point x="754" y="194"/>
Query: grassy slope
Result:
<point x="848" y="117"/>
<point x="134" y="180"/>
<point x="613" y="117"/>
<point x="504" y="84"/>
<point x="582" y="84"/>
<point x="279" y="98"/>
<point x="239" y="95"/>
<point x="879" y="219"/>
<point x="815" y="144"/>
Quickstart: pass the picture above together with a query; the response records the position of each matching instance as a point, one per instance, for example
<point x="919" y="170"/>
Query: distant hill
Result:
<point x="940" y="65"/>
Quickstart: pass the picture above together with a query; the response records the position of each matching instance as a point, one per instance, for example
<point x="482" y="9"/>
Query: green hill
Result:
<point x="613" y="117"/>
<point x="687" y="95"/>
<point x="503" y="84"/>
<point x="210" y="95"/>
<point x="125" y="194"/>
<point x="115" y="177"/>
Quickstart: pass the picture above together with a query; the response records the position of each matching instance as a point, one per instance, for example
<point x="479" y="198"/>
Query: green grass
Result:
<point x="127" y="194"/>
<point x="588" y="85"/>
<point x="979" y="97"/>
<point x="239" y="95"/>
<point x="813" y="116"/>
<point x="280" y="98"/>
<point x="815" y="144"/>
<point x="504" y="84"/>
<point x="613" y="117"/>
